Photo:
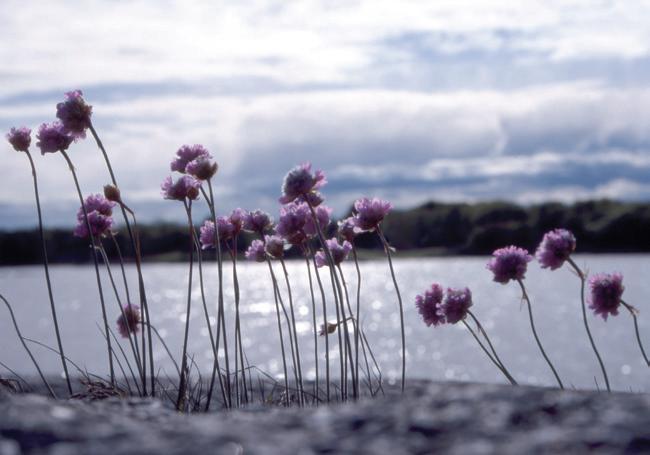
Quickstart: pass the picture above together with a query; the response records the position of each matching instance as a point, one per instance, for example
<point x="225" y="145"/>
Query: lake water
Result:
<point x="446" y="352"/>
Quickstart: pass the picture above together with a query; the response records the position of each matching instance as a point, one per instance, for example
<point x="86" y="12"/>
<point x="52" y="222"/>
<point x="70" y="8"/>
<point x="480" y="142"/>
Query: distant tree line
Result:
<point x="431" y="229"/>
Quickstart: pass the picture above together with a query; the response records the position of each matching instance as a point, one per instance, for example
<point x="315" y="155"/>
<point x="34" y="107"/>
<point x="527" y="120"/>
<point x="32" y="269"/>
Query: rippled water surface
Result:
<point x="447" y="352"/>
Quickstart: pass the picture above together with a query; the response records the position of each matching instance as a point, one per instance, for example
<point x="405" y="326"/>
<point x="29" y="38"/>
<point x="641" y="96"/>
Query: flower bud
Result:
<point x="112" y="193"/>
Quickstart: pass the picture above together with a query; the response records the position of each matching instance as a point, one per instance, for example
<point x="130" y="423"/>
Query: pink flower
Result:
<point x="291" y="224"/>
<point x="274" y="246"/>
<point x="555" y="248"/>
<point x="257" y="221"/>
<point x="347" y="229"/>
<point x="100" y="225"/>
<point x="300" y="181"/>
<point x="322" y="215"/>
<point x="20" y="138"/>
<point x="203" y="168"/>
<point x="52" y="138"/>
<point x="129" y="321"/>
<point x="74" y="114"/>
<point x="237" y="219"/>
<point x="188" y="153"/>
<point x="370" y="212"/>
<point x="509" y="263"/>
<point x="186" y="187"/>
<point x="606" y="292"/>
<point x="428" y="306"/>
<point x="255" y="251"/>
<point x="339" y="252"/>
<point x="456" y="304"/>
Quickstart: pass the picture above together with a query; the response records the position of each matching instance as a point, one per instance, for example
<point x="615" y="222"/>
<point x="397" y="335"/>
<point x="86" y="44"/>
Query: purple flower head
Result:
<point x="257" y="221"/>
<point x="129" y="321"/>
<point x="370" y="212"/>
<point x="456" y="304"/>
<point x="274" y="246"/>
<point x="188" y="153"/>
<point x="255" y="251"/>
<point x="206" y="236"/>
<point x="20" y="138"/>
<point x="339" y="252"/>
<point x="203" y="168"/>
<point x="52" y="138"/>
<point x="237" y="219"/>
<point x="347" y="229"/>
<point x="323" y="215"/>
<point x="74" y="114"/>
<point x="300" y="181"/>
<point x="555" y="248"/>
<point x="606" y="292"/>
<point x="509" y="263"/>
<point x="186" y="187"/>
<point x="225" y="228"/>
<point x="100" y="225"/>
<point x="96" y="202"/>
<point x="291" y="224"/>
<point x="429" y="305"/>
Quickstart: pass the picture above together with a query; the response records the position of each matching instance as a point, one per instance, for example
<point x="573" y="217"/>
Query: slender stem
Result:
<point x="169" y="353"/>
<point x="314" y="326"/>
<point x="358" y="317"/>
<point x="478" y="340"/>
<point x="95" y="262"/>
<point x="327" y="343"/>
<point x="213" y="345"/>
<point x="47" y="275"/>
<point x="31" y="356"/>
<point x="494" y="352"/>
<point x="295" y="331"/>
<point x="128" y="365"/>
<point x="277" y="312"/>
<point x="121" y="259"/>
<point x="133" y="344"/>
<point x="221" y="314"/>
<point x="583" y="279"/>
<point x="235" y="279"/>
<point x="138" y="261"/>
<point x="355" y="378"/>
<point x="532" y="326"/>
<point x="182" y="383"/>
<point x="633" y="311"/>
<point x="399" y="300"/>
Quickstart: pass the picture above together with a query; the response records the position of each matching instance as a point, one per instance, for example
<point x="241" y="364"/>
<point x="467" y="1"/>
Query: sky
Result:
<point x="406" y="100"/>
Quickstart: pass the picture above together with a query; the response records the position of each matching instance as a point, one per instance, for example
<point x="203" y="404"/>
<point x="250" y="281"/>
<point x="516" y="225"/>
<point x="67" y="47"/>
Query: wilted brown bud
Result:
<point x="331" y="328"/>
<point x="112" y="193"/>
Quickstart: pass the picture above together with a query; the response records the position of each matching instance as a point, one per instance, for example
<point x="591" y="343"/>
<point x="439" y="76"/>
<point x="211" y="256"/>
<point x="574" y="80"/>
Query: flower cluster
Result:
<point x="100" y="216"/>
<point x="20" y="138"/>
<point x="185" y="188"/>
<point x="256" y="252"/>
<point x="258" y="222"/>
<point x="339" y="252"/>
<point x="74" y="114"/>
<point x="301" y="183"/>
<point x="369" y="213"/>
<point x="509" y="263"/>
<point x="606" y="292"/>
<point x="53" y="138"/>
<point x="436" y="311"/>
<point x="555" y="248"/>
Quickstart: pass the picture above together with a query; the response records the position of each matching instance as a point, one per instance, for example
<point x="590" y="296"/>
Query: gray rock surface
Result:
<point x="429" y="418"/>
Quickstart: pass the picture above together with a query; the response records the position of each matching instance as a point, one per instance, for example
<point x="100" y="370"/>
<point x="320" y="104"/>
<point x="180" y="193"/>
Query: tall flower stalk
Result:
<point x="314" y="325"/>
<point x="20" y="139"/>
<point x="633" y="311"/>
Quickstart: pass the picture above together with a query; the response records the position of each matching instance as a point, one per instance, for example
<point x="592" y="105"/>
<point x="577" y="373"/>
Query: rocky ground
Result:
<point x="428" y="418"/>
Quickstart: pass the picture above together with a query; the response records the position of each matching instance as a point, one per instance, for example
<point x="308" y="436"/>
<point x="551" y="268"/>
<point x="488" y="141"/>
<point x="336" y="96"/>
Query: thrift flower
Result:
<point x="74" y="114"/>
<point x="428" y="306"/>
<point x="257" y="221"/>
<point x="314" y="198"/>
<point x="274" y="246"/>
<point x="129" y="321"/>
<point x="347" y="229"/>
<point x="100" y="225"/>
<point x="203" y="168"/>
<point x="556" y="247"/>
<point x="509" y="263"/>
<point x="338" y="251"/>
<point x="370" y="212"/>
<point x="255" y="251"/>
<point x="206" y="235"/>
<point x="237" y="219"/>
<point x="52" y="138"/>
<point x="186" y="187"/>
<point x="300" y="181"/>
<point x="456" y="304"/>
<point x="291" y="224"/>
<point x="606" y="292"/>
<point x="323" y="215"/>
<point x="96" y="202"/>
<point x="20" y="138"/>
<point x="188" y="153"/>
